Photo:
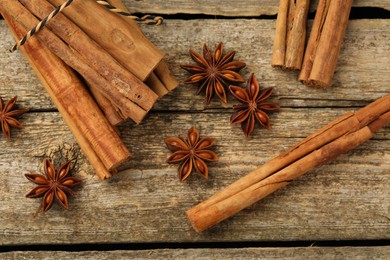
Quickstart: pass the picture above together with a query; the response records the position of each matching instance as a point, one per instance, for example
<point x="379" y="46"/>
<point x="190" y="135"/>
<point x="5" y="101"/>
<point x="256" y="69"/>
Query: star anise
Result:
<point x="192" y="152"/>
<point x="253" y="105"/>
<point x="53" y="185"/>
<point x="7" y="116"/>
<point x="214" y="72"/>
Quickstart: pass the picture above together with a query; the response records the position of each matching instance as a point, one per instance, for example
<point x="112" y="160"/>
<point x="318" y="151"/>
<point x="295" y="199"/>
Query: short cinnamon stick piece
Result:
<point x="290" y="34"/>
<point x="88" y="125"/>
<point x="338" y="137"/>
<point x="325" y="42"/>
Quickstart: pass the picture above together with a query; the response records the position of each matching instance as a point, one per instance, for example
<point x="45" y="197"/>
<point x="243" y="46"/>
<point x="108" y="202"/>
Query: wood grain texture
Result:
<point x="228" y="8"/>
<point x="363" y="64"/>
<point x="347" y="199"/>
<point x="310" y="253"/>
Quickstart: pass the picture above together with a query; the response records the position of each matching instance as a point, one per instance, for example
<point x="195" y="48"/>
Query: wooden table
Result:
<point x="344" y="203"/>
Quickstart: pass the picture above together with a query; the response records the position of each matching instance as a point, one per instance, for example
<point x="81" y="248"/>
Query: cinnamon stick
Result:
<point x="325" y="42"/>
<point x="290" y="34"/>
<point x="90" y="128"/>
<point x="338" y="137"/>
<point x="161" y="71"/>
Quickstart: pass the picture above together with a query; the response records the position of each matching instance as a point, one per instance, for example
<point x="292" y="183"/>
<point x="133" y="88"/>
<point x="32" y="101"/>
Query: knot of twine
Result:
<point x="146" y="19"/>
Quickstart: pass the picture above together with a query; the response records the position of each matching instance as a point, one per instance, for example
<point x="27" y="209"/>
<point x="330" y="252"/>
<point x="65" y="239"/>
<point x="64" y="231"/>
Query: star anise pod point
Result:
<point x="214" y="72"/>
<point x="192" y="153"/>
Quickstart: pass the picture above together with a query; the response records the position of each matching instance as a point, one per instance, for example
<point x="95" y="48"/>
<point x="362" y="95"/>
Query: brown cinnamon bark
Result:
<point x="290" y="34"/>
<point x="94" y="134"/>
<point x="156" y="85"/>
<point x="93" y="55"/>
<point x="326" y="144"/>
<point x="129" y="47"/>
<point x="74" y="59"/>
<point x="152" y="81"/>
<point x="112" y="113"/>
<point x="325" y="42"/>
<point x="161" y="71"/>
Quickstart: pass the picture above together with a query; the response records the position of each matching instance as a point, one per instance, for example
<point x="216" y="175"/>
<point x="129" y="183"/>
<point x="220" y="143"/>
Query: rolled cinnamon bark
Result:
<point x="111" y="112"/>
<point x="338" y="137"/>
<point x="290" y="34"/>
<point x="75" y="60"/>
<point x="99" y="142"/>
<point x="92" y="54"/>
<point x="162" y="74"/>
<point x="129" y="47"/>
<point x="325" y="42"/>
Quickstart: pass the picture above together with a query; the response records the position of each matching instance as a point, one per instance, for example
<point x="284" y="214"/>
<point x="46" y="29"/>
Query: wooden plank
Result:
<point x="362" y="74"/>
<point x="227" y="8"/>
<point x="347" y="199"/>
<point x="216" y="253"/>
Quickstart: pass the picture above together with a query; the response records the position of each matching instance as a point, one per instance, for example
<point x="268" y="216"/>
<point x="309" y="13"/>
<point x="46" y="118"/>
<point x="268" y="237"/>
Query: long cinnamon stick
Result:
<point x="338" y="137"/>
<point x="161" y="71"/>
<point x="81" y="114"/>
<point x="129" y="47"/>
<point x="325" y="42"/>
<point x="290" y="34"/>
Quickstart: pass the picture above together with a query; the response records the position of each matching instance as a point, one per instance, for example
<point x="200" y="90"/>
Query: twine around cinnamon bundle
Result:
<point x="146" y="19"/>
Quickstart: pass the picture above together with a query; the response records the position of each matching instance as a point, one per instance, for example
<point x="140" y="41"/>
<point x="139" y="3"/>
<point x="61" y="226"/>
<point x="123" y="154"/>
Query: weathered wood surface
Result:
<point x="347" y="199"/>
<point x="226" y="8"/>
<point x="363" y="64"/>
<point x="244" y="253"/>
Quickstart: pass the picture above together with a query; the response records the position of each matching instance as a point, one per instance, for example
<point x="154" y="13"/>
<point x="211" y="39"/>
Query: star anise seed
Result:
<point x="7" y="116"/>
<point x="53" y="185"/>
<point x="253" y="106"/>
<point x="192" y="153"/>
<point x="214" y="72"/>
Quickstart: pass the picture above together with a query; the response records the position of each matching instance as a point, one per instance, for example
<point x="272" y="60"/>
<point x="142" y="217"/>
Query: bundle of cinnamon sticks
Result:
<point x="122" y="69"/>
<point x="338" y="137"/>
<point x="318" y="63"/>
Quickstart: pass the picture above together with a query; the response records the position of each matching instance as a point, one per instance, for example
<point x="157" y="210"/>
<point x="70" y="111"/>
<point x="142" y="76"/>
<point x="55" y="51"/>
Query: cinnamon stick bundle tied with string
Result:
<point x="325" y="42"/>
<point x="290" y="34"/>
<point x="338" y="137"/>
<point x="97" y="139"/>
